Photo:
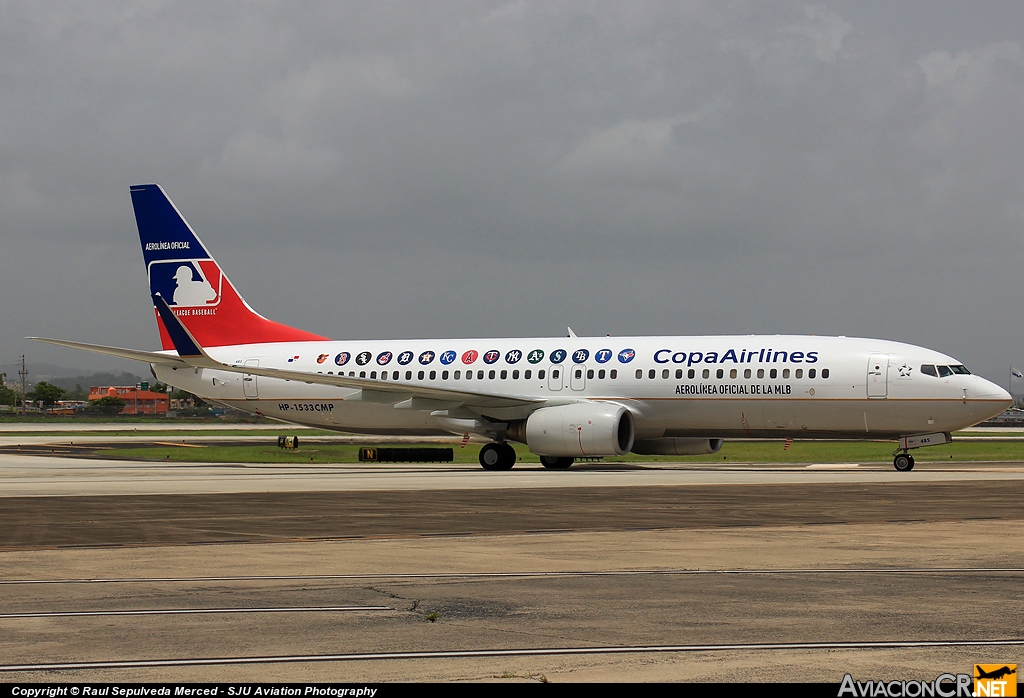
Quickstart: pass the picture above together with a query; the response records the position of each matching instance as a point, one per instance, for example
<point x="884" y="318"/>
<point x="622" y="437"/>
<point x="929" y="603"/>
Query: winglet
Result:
<point x="571" y="333"/>
<point x="184" y="343"/>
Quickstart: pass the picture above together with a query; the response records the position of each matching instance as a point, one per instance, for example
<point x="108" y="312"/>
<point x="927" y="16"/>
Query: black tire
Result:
<point x="556" y="463"/>
<point x="490" y="456"/>
<point x="903" y="463"/>
<point x="496" y="456"/>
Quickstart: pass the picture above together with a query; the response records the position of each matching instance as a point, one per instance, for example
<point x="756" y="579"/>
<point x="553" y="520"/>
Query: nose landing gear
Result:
<point x="903" y="462"/>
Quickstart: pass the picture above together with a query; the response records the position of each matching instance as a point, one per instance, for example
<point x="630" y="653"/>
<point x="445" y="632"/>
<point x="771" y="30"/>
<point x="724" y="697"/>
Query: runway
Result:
<point x="115" y="571"/>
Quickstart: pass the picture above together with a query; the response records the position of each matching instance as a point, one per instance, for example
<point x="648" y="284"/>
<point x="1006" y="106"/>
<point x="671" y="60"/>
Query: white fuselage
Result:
<point x="716" y="386"/>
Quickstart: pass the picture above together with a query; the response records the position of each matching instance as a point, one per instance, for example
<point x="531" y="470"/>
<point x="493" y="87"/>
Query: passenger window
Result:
<point x="444" y="375"/>
<point x="679" y="373"/>
<point x="579" y="373"/>
<point x="469" y="375"/>
<point x="929" y="370"/>
<point x="664" y="374"/>
<point x="490" y="374"/>
<point x="352" y="374"/>
<point x="479" y="375"/>
<point x="515" y="375"/>
<point x="408" y="375"/>
<point x="394" y="376"/>
<point x="719" y="373"/>
<point x="613" y="374"/>
<point x="504" y="375"/>
<point x="590" y="373"/>
<point x="651" y="373"/>
<point x="373" y="374"/>
<point x="746" y="373"/>
<point x="785" y="373"/>
<point x="457" y="375"/>
<point x="600" y="374"/>
<point x="811" y="372"/>
<point x="944" y="371"/>
<point x="690" y="374"/>
<point x="760" y="373"/>
<point x="433" y="375"/>
<point x="362" y="374"/>
<point x="540" y="374"/>
<point x="732" y="373"/>
<point x="329" y="373"/>
<point x="774" y="373"/>
<point x="824" y="373"/>
<point x="419" y="376"/>
<point x="706" y="373"/>
<point x="639" y="373"/>
<point x="526" y="374"/>
<point x="799" y="373"/>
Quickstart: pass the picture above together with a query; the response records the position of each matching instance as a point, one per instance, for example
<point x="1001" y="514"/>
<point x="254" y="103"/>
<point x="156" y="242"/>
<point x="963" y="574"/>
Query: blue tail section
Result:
<point x="162" y="229"/>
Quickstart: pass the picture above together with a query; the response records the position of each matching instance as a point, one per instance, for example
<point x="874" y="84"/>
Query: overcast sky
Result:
<point x="385" y="169"/>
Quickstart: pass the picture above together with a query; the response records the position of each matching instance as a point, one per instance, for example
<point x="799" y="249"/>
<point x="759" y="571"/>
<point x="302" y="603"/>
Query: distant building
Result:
<point x="135" y="401"/>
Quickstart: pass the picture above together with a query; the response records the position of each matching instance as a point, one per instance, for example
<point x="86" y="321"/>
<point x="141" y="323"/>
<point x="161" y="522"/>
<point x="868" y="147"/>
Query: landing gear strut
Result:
<point x="497" y="456"/>
<point x="556" y="463"/>
<point x="903" y="462"/>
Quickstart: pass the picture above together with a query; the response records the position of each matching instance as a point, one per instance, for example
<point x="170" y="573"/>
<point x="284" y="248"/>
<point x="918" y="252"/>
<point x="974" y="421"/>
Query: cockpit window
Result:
<point x="944" y="371"/>
<point x="929" y="370"/>
<point x="961" y="369"/>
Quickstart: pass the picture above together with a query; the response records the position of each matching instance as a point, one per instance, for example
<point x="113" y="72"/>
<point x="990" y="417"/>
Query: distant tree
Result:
<point x="158" y="388"/>
<point x="108" y="405"/>
<point x="8" y="396"/>
<point x="46" y="393"/>
<point x="185" y="395"/>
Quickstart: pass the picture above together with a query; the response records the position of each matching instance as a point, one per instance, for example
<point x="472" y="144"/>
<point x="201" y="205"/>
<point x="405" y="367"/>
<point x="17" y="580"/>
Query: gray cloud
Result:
<point x="407" y="169"/>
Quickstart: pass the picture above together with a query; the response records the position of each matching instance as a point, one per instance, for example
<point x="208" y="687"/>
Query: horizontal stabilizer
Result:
<point x="151" y="357"/>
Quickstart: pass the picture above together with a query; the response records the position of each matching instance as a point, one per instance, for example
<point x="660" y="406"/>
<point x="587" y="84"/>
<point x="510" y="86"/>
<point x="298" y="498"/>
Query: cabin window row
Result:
<point x="733" y="373"/>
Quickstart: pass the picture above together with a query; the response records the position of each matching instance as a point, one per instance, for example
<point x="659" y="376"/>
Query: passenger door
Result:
<point x="249" y="386"/>
<point x="878" y="375"/>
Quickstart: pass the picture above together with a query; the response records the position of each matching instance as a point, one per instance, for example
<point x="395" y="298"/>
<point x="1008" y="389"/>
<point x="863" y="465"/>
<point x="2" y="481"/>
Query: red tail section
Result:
<point x="190" y="280"/>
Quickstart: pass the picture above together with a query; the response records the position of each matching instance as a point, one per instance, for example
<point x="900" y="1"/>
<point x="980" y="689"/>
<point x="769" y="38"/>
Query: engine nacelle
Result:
<point x="578" y="430"/>
<point x="677" y="447"/>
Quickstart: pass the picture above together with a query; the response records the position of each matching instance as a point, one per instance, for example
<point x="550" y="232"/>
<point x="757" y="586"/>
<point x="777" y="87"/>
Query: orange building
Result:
<point x="135" y="401"/>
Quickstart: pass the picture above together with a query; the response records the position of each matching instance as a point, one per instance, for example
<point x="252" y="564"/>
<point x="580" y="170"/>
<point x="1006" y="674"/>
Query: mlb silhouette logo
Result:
<point x="186" y="283"/>
<point x="995" y="680"/>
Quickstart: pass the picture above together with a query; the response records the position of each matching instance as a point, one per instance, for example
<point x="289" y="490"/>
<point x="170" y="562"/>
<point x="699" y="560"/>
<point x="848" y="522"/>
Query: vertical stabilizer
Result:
<point x="182" y="272"/>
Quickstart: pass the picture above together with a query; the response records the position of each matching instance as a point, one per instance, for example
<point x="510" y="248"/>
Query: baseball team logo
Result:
<point x="580" y="355"/>
<point x="405" y="357"/>
<point x="535" y="356"/>
<point x="513" y="356"/>
<point x="558" y="356"/>
<point x="363" y="358"/>
<point x="468" y="357"/>
<point x="626" y="355"/>
<point x="602" y="356"/>
<point x="492" y="356"/>
<point x="323" y="357"/>
<point x="342" y="358"/>
<point x="448" y="357"/>
<point x="384" y="358"/>
<point x="426" y="357"/>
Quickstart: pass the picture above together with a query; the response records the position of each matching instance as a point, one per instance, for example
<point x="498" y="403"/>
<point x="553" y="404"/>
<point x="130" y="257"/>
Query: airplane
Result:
<point x="565" y="397"/>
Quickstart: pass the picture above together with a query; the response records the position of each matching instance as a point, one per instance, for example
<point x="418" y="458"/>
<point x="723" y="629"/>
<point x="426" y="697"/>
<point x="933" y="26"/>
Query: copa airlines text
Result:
<point x="564" y="398"/>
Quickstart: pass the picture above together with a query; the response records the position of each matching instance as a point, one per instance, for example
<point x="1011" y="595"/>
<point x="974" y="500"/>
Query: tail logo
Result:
<point x="186" y="283"/>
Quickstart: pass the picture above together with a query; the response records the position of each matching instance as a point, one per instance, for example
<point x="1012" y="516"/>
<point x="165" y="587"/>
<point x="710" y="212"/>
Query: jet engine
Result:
<point x="578" y="430"/>
<point x="677" y="447"/>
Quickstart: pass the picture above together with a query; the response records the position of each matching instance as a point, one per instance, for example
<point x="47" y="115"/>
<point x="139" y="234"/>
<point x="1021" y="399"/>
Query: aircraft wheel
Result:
<point x="495" y="456"/>
<point x="556" y="463"/>
<point x="903" y="463"/>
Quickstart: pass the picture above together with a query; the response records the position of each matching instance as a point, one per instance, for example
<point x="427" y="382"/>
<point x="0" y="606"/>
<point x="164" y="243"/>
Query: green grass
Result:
<point x="732" y="452"/>
<point x="176" y="433"/>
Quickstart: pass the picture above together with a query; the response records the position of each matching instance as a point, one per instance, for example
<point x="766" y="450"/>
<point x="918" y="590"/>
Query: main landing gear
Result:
<point x="497" y="456"/>
<point x="903" y="462"/>
<point x="556" y="463"/>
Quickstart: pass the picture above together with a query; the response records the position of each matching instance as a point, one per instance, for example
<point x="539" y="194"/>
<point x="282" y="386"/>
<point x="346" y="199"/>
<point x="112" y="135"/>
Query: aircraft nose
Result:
<point x="990" y="391"/>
